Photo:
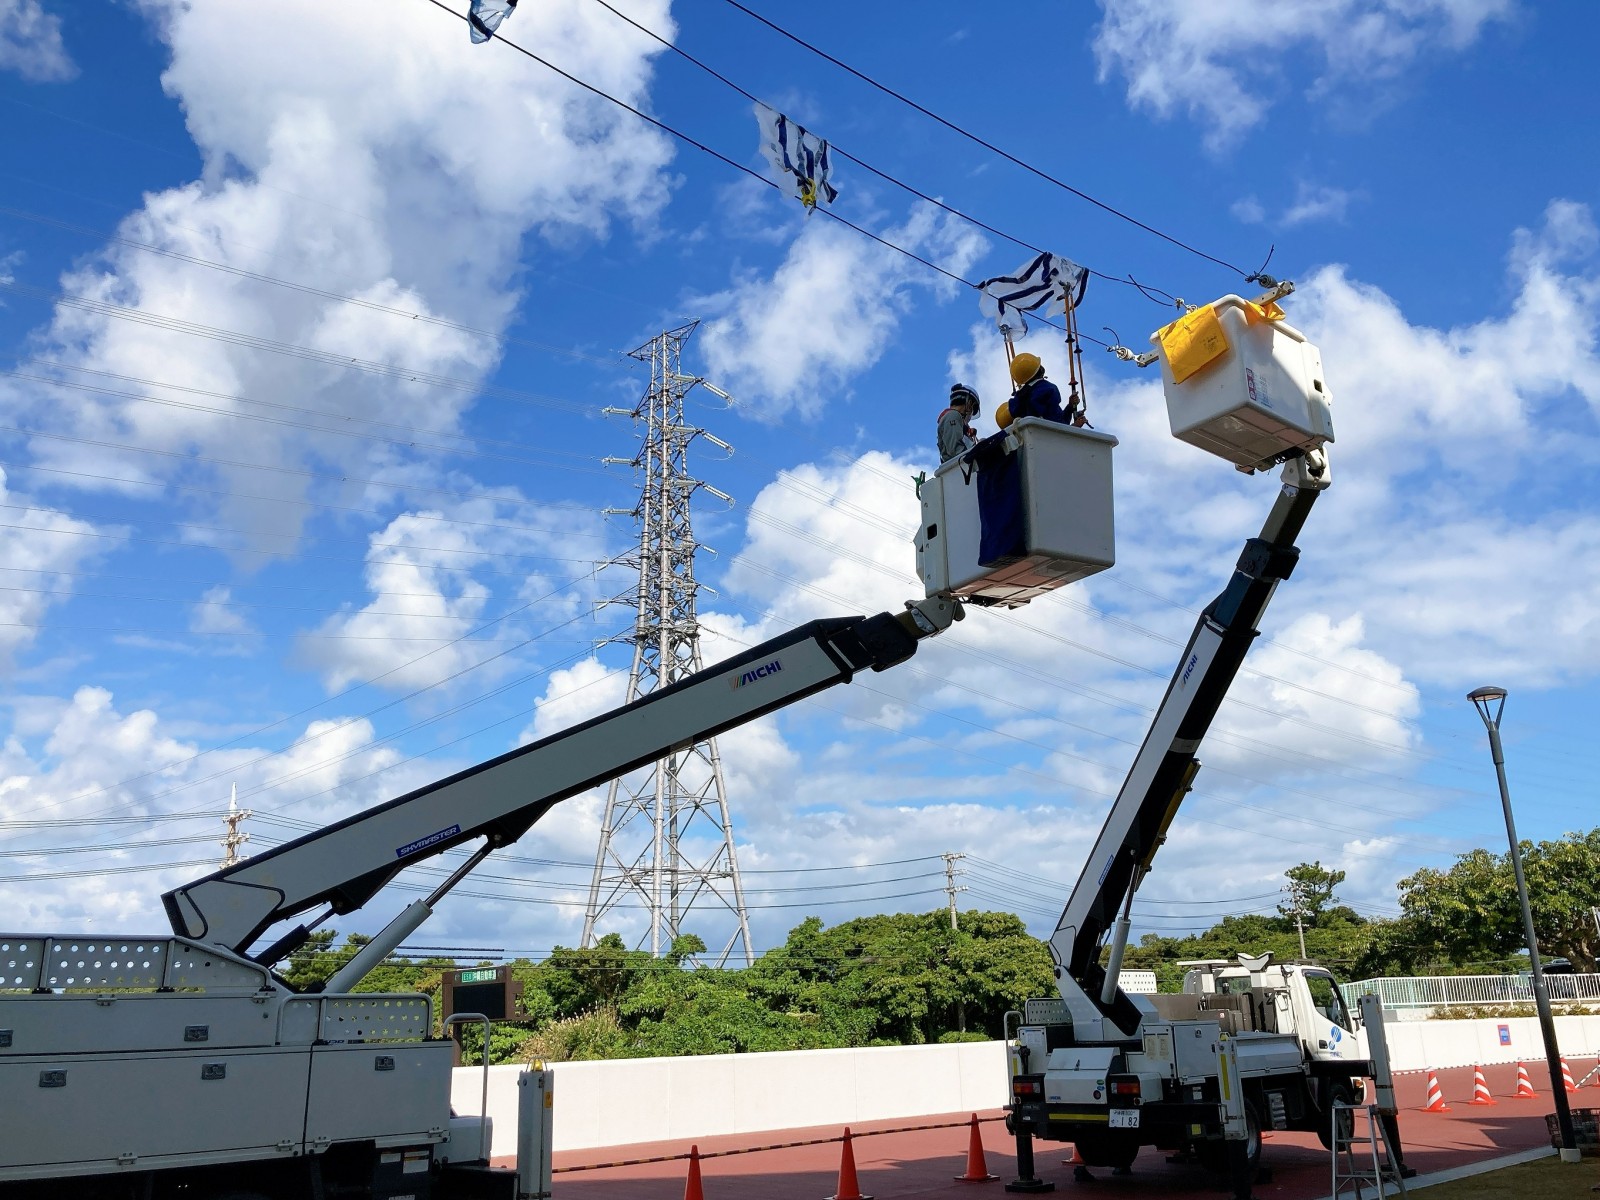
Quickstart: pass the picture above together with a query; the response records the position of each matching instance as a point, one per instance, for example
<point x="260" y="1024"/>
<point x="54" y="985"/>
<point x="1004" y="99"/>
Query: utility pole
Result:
<point x="231" y="843"/>
<point x="1298" y="901"/>
<point x="666" y="839"/>
<point x="950" y="887"/>
<point x="950" y="890"/>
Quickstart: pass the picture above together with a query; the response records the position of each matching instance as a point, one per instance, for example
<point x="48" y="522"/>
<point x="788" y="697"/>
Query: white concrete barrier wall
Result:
<point x="1416" y="1045"/>
<point x="619" y="1101"/>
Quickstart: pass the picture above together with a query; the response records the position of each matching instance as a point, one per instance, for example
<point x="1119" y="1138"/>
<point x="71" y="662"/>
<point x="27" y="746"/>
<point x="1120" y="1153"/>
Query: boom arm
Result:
<point x="1164" y="768"/>
<point x="345" y="864"/>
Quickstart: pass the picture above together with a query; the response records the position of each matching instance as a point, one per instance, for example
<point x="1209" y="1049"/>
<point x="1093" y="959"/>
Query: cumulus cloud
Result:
<point x="1217" y="61"/>
<point x="30" y="43"/>
<point x="216" y="616"/>
<point x="107" y="792"/>
<point x="432" y="574"/>
<point x="40" y="547"/>
<point x="828" y="311"/>
<point x="335" y="159"/>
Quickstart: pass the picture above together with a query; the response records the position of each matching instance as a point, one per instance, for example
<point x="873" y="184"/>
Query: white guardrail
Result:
<point x="1444" y="991"/>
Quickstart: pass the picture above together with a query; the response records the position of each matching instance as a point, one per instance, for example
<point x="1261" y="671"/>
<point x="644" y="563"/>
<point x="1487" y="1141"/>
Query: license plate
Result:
<point x="1124" y="1118"/>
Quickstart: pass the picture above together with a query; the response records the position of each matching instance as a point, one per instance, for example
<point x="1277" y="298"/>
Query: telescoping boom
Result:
<point x="497" y="802"/>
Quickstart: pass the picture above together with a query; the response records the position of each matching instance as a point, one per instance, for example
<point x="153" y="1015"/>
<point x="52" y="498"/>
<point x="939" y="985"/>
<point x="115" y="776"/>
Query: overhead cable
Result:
<point x="616" y="358"/>
<point x="990" y="146"/>
<point x="735" y="164"/>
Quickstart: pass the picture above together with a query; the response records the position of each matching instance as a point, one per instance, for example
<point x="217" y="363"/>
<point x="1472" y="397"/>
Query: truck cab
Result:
<point x="1301" y="998"/>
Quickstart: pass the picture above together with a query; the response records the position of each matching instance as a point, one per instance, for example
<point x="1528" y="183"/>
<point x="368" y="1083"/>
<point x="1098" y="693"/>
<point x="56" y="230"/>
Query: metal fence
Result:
<point x="1442" y="991"/>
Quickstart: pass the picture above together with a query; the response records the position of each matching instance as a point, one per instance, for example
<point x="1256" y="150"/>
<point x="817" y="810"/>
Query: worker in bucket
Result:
<point x="956" y="434"/>
<point x="1036" y="396"/>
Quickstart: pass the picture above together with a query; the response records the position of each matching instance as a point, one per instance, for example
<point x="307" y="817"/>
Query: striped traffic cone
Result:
<point x="1480" y="1088"/>
<point x="1566" y="1077"/>
<point x="1435" y="1096"/>
<point x="1524" y="1085"/>
<point x="849" y="1188"/>
<point x="691" y="1186"/>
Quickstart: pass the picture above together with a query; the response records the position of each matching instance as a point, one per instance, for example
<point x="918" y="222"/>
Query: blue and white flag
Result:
<point x="795" y="152"/>
<point x="485" y="16"/>
<point x="1044" y="287"/>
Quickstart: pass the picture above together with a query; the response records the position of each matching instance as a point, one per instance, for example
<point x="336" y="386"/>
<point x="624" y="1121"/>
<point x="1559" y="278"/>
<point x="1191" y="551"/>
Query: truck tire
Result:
<point x="1214" y="1155"/>
<point x="1338" y="1091"/>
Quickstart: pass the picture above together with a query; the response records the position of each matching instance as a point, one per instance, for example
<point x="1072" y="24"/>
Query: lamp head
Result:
<point x="1482" y="698"/>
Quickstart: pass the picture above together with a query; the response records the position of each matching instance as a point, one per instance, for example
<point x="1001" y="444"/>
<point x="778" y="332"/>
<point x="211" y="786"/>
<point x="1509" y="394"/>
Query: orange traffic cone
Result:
<point x="977" y="1166"/>
<point x="1435" y="1096"/>
<point x="691" y="1185"/>
<point x="849" y="1188"/>
<point x="1480" y="1088"/>
<point x="1566" y="1077"/>
<point x="1524" y="1085"/>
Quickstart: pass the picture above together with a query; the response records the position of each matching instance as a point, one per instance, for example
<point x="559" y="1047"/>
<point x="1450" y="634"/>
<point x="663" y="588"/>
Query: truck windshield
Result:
<point x="1325" y="996"/>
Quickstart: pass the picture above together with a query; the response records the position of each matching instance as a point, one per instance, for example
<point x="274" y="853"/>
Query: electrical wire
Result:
<point x="143" y="316"/>
<point x="736" y="165"/>
<point x="835" y="148"/>
<point x="615" y="358"/>
<point x="990" y="146"/>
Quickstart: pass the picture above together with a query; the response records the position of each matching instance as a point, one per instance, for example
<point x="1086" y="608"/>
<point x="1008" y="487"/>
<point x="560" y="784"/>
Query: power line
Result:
<point x="615" y="359"/>
<point x="736" y="165"/>
<point x="987" y="145"/>
<point x="142" y="316"/>
<point x="835" y="148"/>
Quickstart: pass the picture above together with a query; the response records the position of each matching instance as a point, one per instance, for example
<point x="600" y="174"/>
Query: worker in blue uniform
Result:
<point x="1036" y="396"/>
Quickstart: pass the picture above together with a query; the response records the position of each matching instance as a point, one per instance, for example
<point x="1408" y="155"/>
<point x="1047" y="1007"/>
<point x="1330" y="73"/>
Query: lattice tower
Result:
<point x="666" y="838"/>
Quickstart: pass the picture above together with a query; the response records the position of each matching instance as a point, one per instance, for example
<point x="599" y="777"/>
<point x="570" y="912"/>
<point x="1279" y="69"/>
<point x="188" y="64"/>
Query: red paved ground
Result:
<point x="922" y="1164"/>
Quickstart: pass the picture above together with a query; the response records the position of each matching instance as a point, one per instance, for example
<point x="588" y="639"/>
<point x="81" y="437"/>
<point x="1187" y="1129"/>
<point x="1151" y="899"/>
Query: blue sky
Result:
<point x="257" y="517"/>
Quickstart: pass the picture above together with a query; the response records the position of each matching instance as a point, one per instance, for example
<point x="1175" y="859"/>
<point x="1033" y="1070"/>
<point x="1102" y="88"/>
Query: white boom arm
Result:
<point x="344" y="864"/>
<point x="1164" y="768"/>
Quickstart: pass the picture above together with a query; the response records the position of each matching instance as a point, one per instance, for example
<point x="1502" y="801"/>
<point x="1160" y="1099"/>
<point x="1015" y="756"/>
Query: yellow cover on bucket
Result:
<point x="1193" y="342"/>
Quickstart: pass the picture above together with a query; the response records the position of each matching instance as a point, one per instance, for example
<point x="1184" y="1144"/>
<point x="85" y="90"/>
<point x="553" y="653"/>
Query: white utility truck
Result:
<point x="1248" y="1046"/>
<point x="181" y="1065"/>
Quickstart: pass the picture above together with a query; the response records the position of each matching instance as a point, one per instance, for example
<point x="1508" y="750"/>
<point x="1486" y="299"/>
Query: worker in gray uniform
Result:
<point x="956" y="434"/>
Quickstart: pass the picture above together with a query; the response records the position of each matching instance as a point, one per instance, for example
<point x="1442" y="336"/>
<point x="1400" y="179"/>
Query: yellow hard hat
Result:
<point x="1024" y="367"/>
<point x="1002" y="415"/>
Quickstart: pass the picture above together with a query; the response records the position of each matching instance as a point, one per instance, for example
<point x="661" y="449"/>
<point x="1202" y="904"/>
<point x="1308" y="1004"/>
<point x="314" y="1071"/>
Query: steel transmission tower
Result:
<point x="666" y="837"/>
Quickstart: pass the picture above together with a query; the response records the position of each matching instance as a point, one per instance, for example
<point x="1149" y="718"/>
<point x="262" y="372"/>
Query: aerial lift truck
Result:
<point x="151" y="1067"/>
<point x="1249" y="1045"/>
<point x="183" y="1065"/>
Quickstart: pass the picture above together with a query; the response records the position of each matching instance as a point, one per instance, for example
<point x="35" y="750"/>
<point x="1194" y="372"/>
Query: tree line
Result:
<point x="909" y="978"/>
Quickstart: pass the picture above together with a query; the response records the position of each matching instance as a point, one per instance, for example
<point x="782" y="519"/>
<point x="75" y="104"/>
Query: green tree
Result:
<point x="1311" y="889"/>
<point x="1470" y="913"/>
<point x="1564" y="878"/>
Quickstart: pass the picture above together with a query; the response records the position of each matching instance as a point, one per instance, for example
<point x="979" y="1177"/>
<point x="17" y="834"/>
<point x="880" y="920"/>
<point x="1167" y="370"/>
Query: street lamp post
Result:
<point x="1490" y="702"/>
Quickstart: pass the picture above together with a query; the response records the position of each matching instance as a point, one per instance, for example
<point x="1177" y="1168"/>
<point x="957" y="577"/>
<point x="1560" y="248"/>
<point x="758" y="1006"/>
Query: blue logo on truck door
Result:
<point x="755" y="673"/>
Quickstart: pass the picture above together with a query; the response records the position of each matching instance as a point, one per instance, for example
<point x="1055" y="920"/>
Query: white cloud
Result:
<point x="216" y="617"/>
<point x="575" y="694"/>
<point x="340" y="160"/>
<point x="828" y="311"/>
<point x="84" y="761"/>
<point x="30" y="43"/>
<point x="433" y="574"/>
<point x="1217" y="62"/>
<point x="1312" y="202"/>
<point x="40" y="547"/>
